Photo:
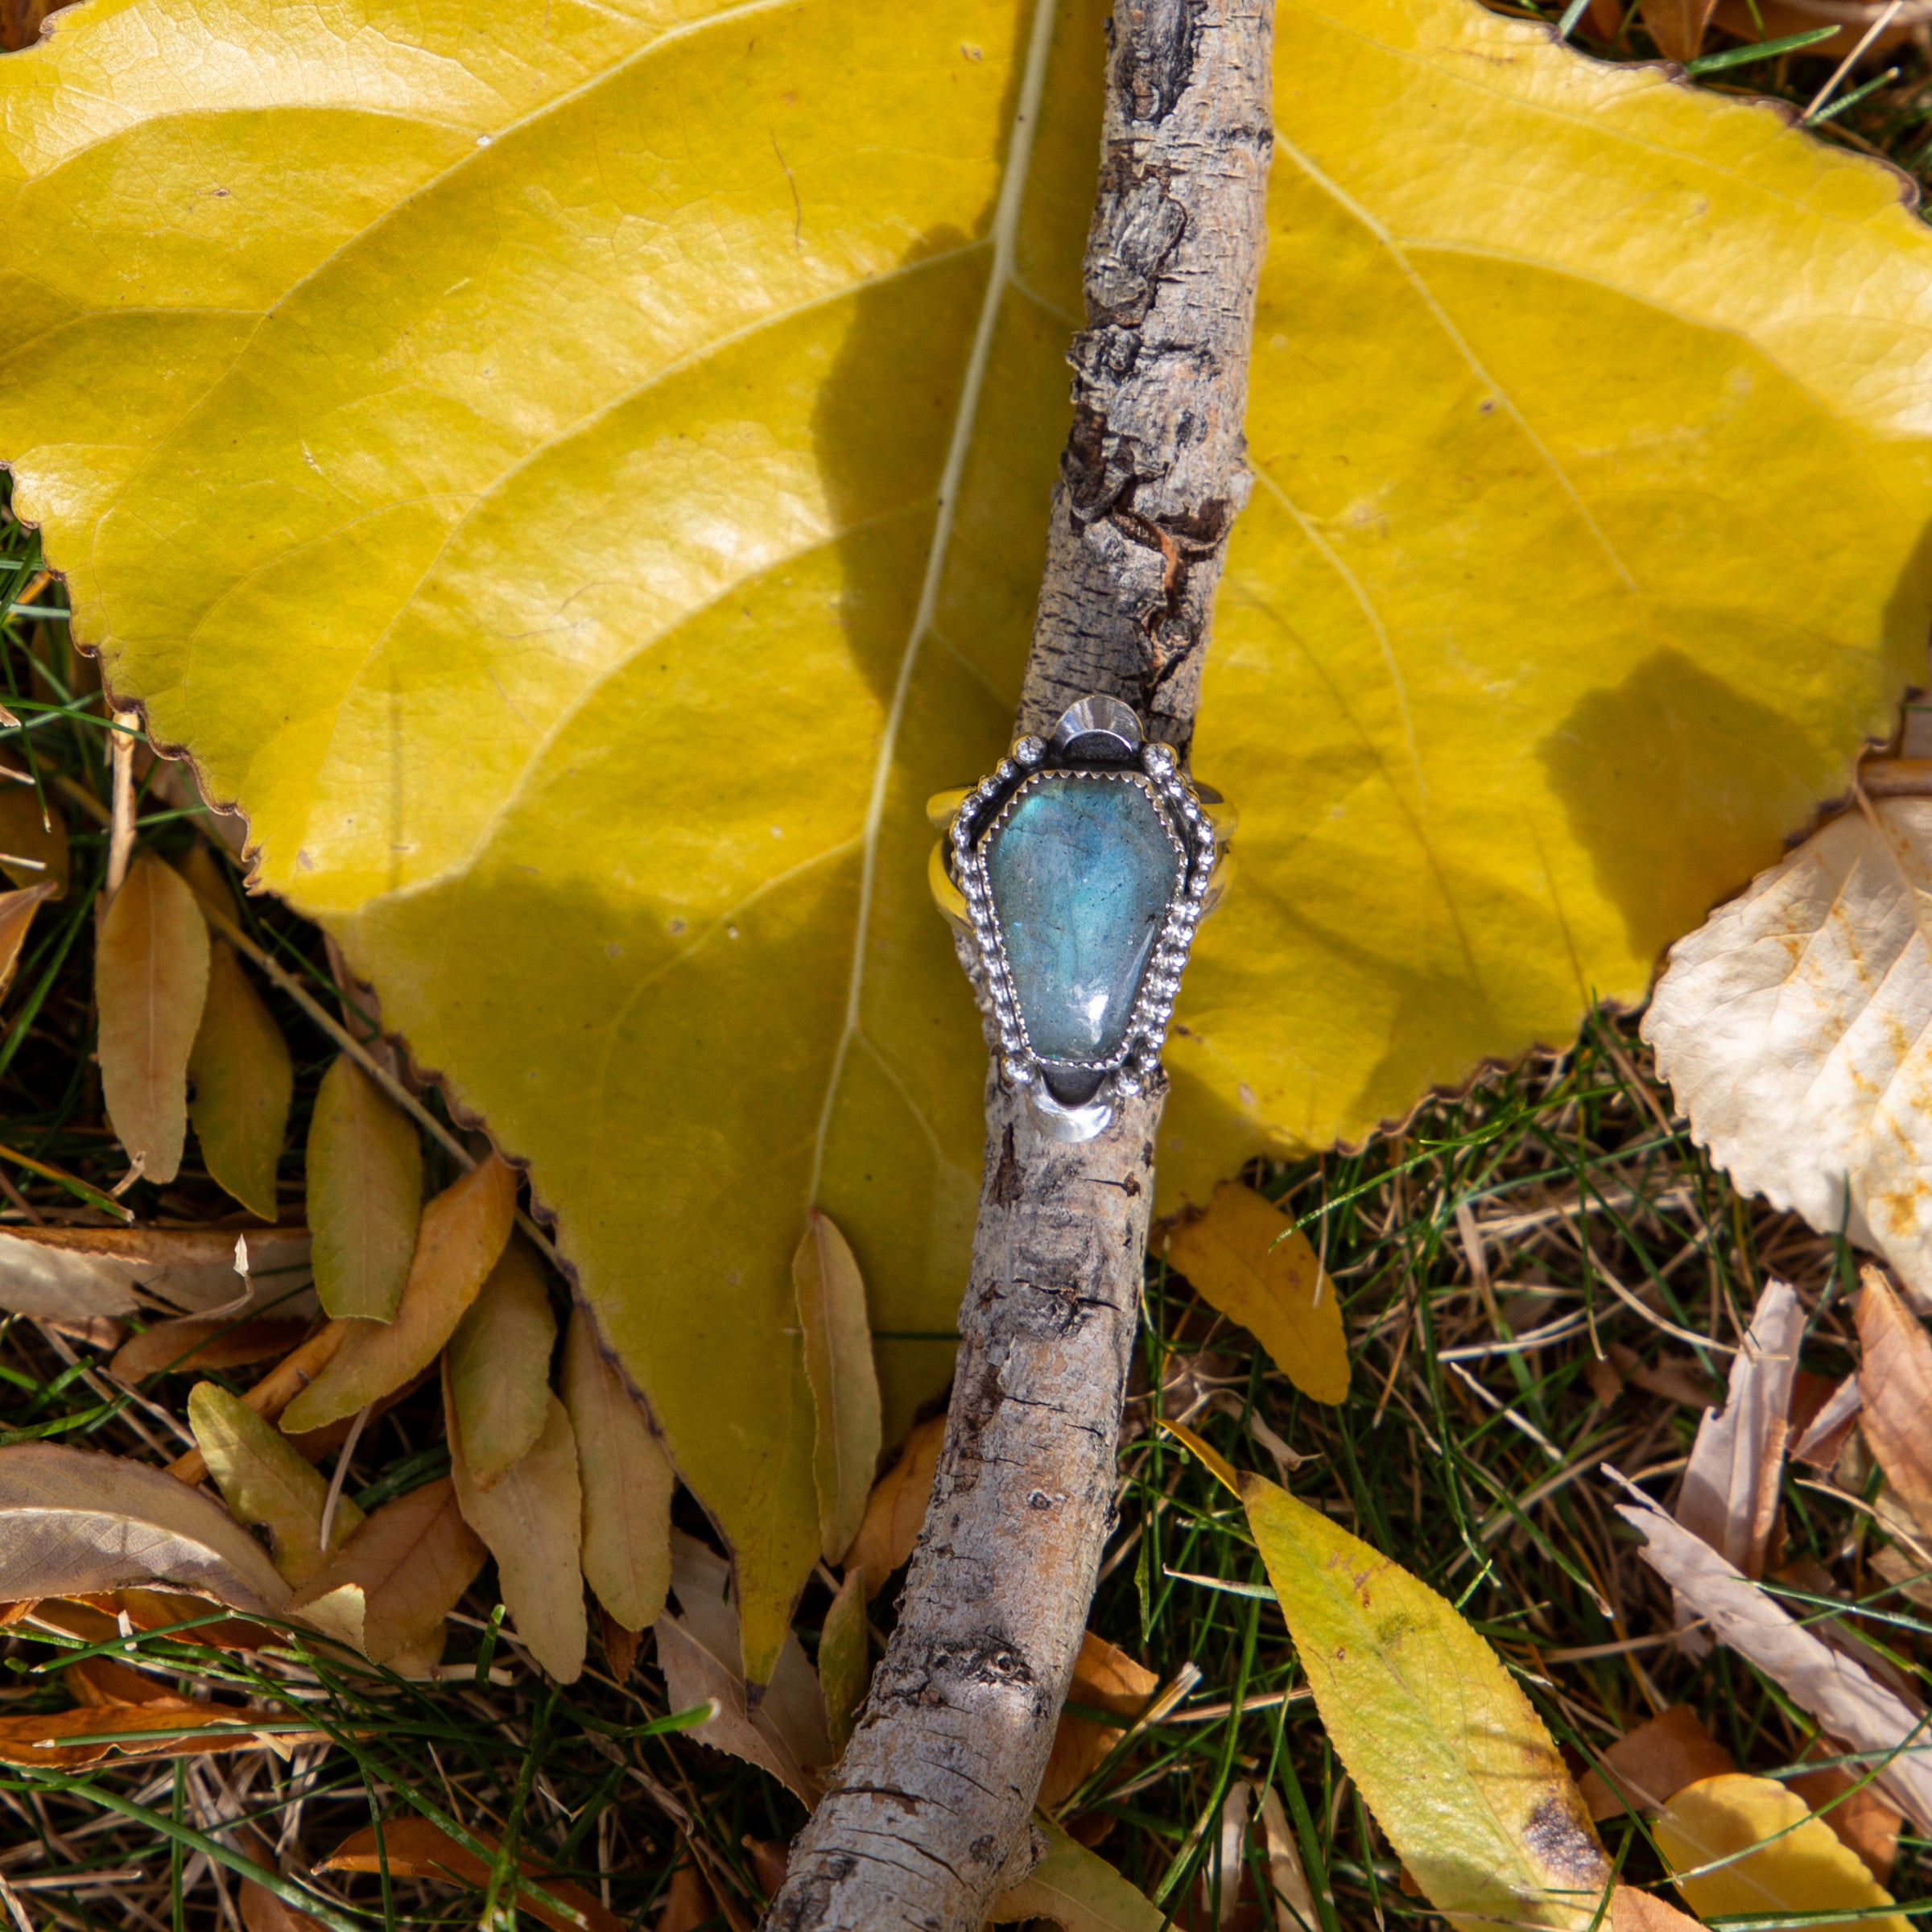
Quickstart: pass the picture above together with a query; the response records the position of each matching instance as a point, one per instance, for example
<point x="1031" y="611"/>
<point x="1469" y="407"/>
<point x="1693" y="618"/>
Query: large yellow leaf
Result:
<point x="579" y="484"/>
<point x="1449" y="1753"/>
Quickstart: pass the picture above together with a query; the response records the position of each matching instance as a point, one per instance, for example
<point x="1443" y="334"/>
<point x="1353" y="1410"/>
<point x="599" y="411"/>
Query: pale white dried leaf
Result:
<point x="844" y="1381"/>
<point x="73" y="1522"/>
<point x="1295" y="1903"/>
<point x="1730" y="1490"/>
<point x="694" y="1675"/>
<point x="1792" y="1028"/>
<point x="70" y="1274"/>
<point x="1834" y="1688"/>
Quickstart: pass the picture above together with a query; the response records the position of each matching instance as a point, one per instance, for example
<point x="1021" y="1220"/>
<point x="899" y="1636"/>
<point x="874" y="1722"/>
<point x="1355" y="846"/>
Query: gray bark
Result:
<point x="928" y="1815"/>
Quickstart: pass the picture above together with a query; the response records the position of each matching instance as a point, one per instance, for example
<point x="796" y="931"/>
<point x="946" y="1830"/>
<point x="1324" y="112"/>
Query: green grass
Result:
<point x="1462" y="1454"/>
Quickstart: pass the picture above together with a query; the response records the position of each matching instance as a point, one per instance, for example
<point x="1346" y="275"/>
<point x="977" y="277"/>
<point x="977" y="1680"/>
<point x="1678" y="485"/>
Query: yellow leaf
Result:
<point x="151" y="977"/>
<point x="499" y="1365"/>
<point x="365" y="1168"/>
<point x="244" y="1081"/>
<point x="17" y="910"/>
<point x="1203" y="1452"/>
<point x="844" y="1385"/>
<point x="532" y="1521"/>
<point x="37" y="850"/>
<point x="387" y="1590"/>
<point x="462" y="1231"/>
<point x="1448" y="1753"/>
<point x="844" y="1659"/>
<point x="1792" y="1862"/>
<point x="1079" y="1890"/>
<point x="627" y="1481"/>
<point x="1247" y="1258"/>
<point x="264" y="1481"/>
<point x="627" y="833"/>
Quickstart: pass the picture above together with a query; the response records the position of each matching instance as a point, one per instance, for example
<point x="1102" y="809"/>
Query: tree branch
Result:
<point x="928" y="1818"/>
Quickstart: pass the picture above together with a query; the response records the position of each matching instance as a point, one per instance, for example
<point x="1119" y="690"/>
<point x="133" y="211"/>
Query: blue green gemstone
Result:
<point x="1081" y="872"/>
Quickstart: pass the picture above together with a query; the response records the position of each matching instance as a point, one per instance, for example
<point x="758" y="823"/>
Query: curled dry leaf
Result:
<point x="387" y="1590"/>
<point x="1790" y="1028"/>
<point x="102" y="1681"/>
<point x="1730" y="1490"/>
<point x="65" y="1273"/>
<point x="532" y="1520"/>
<point x="204" y="1342"/>
<point x="844" y="1383"/>
<point x="462" y="1234"/>
<point x="897" y="1506"/>
<point x="17" y="910"/>
<point x="365" y="1165"/>
<point x="1247" y="1259"/>
<point x="72" y="1521"/>
<point x="1835" y="1688"/>
<point x="88" y="1733"/>
<point x="243" y="1082"/>
<point x="1650" y="1765"/>
<point x="28" y="835"/>
<point x="96" y="1618"/>
<point x="151" y="978"/>
<point x="1791" y="1862"/>
<point x="266" y="1483"/>
<point x="1895" y="1379"/>
<point x="843" y="1657"/>
<point x="1451" y="1757"/>
<point x="1079" y="1890"/>
<point x="413" y="1847"/>
<point x="1106" y="1678"/>
<point x="498" y="1363"/>
<point x="627" y="1482"/>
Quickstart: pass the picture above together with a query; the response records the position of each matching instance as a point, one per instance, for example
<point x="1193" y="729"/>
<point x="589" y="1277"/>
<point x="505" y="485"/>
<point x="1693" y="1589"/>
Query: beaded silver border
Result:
<point x="1187" y="822"/>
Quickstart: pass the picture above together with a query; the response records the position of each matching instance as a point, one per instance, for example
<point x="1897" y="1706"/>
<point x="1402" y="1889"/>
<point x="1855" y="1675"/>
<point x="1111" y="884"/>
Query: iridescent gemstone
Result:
<point x="1081" y="870"/>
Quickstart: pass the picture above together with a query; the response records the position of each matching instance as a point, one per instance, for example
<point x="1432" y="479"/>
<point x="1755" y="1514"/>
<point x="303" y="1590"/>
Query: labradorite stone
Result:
<point x="1081" y="873"/>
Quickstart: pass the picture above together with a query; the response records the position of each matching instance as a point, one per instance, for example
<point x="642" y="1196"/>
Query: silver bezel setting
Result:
<point x="1106" y="727"/>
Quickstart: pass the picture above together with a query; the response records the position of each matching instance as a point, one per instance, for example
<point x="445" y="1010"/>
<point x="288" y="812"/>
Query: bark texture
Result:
<point x="928" y="1818"/>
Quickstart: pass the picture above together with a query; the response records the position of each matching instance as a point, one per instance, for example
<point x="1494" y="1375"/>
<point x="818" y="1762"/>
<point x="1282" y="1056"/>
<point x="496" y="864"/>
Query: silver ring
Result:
<point x="1080" y="867"/>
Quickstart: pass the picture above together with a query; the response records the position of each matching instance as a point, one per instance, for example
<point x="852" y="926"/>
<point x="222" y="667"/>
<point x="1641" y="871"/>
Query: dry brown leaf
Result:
<point x="65" y="1272"/>
<point x="1287" y="1876"/>
<point x="17" y="910"/>
<point x="1649" y="1767"/>
<point x="1677" y="26"/>
<point x="1675" y="1378"/>
<point x="175" y="1733"/>
<point x="101" y="1681"/>
<point x="95" y="1619"/>
<point x="688" y="1902"/>
<point x="844" y="1656"/>
<point x="150" y="977"/>
<point x="1730" y="1490"/>
<point x="1247" y="1259"/>
<point x="462" y="1233"/>
<point x="620" y="1645"/>
<point x="1634" y="1910"/>
<point x="73" y="1521"/>
<point x="1855" y="1809"/>
<point x="627" y="1481"/>
<point x="844" y="1381"/>
<point x="415" y="1848"/>
<point x="262" y="1911"/>
<point x="897" y="1506"/>
<point x="498" y="1365"/>
<point x="243" y="1081"/>
<point x="1822" y="1416"/>
<point x="699" y="1653"/>
<point x="24" y="834"/>
<point x="1895" y="1378"/>
<point x="532" y="1521"/>
<point x="1107" y="1678"/>
<point x="1908" y="1574"/>
<point x="365" y="1166"/>
<point x="266" y="1483"/>
<point x="204" y="1342"/>
<point x="1841" y="1695"/>
<point x="387" y="1590"/>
